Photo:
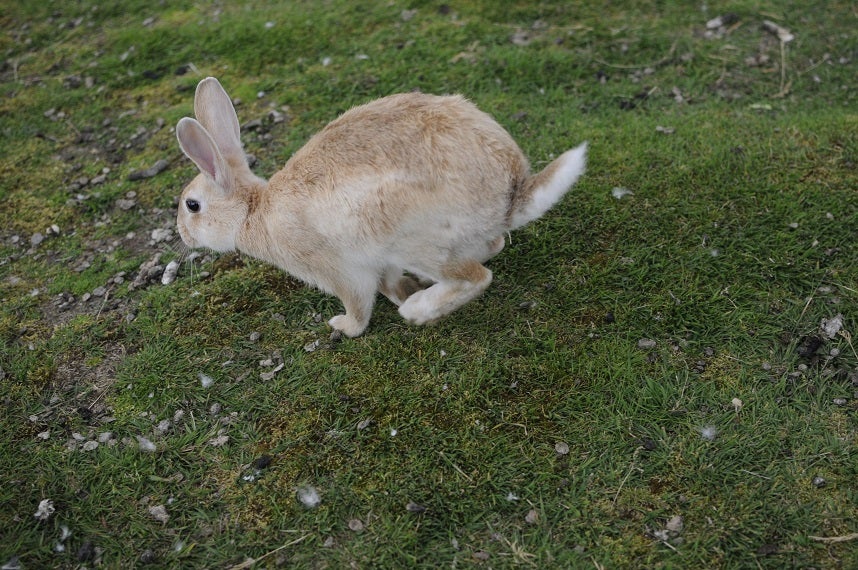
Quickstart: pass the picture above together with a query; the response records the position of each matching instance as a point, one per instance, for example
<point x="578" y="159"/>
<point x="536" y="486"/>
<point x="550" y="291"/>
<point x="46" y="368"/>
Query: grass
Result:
<point x="438" y="446"/>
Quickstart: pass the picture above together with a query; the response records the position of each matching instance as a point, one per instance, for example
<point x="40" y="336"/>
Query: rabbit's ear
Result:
<point x="215" y="112"/>
<point x="200" y="147"/>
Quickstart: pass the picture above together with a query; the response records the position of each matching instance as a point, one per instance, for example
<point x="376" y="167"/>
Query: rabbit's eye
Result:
<point x="192" y="205"/>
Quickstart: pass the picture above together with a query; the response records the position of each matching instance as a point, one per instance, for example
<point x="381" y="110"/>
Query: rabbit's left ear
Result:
<point x="215" y="112"/>
<point x="200" y="147"/>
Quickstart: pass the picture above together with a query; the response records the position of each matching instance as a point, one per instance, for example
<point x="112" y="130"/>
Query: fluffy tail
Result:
<point x="541" y="191"/>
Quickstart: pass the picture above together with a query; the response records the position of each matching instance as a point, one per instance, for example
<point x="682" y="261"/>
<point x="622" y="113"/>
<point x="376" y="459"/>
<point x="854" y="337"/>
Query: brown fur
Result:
<point x="409" y="183"/>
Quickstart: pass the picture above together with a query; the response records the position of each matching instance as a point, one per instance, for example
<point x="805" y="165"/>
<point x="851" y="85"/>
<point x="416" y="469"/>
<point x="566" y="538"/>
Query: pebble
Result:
<point x="159" y="513"/>
<point x="675" y="525"/>
<point x="561" y="447"/>
<point x="819" y="482"/>
<point x="163" y="426"/>
<point x="170" y="272"/>
<point x="219" y="441"/>
<point x="646" y="344"/>
<point x="161" y="234"/>
<point x="90" y="445"/>
<point x="356" y="525"/>
<point x="150" y="172"/>
<point x="36" y="239"/>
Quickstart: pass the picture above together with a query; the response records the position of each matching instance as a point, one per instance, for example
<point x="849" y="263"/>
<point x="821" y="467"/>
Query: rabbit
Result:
<point x="410" y="183"/>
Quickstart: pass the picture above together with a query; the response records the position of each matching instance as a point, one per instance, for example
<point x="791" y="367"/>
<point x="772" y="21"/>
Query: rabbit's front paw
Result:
<point x="348" y="325"/>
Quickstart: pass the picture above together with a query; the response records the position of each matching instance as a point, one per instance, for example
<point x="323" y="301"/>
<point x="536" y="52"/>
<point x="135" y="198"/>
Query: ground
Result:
<point x="662" y="373"/>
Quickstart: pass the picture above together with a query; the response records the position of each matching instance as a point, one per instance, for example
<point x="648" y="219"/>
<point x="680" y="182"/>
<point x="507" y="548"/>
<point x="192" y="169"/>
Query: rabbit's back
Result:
<point x="405" y="167"/>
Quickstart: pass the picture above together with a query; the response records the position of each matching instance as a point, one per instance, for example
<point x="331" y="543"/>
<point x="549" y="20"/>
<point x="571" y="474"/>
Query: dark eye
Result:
<point x="192" y="205"/>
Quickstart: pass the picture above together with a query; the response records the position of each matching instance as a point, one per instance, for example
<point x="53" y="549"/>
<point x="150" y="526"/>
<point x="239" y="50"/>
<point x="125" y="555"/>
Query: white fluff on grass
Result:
<point x="44" y="510"/>
<point x="619" y="193"/>
<point x="709" y="433"/>
<point x="146" y="445"/>
<point x="206" y="380"/>
<point x="308" y="496"/>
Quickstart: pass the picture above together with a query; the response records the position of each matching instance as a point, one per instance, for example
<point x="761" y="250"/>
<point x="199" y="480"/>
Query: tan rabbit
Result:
<point x="413" y="183"/>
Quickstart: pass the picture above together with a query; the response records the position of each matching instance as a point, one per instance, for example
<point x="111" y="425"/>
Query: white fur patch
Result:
<point x="570" y="167"/>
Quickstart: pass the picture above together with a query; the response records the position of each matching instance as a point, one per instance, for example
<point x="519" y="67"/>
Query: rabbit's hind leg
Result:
<point x="459" y="282"/>
<point x="397" y="287"/>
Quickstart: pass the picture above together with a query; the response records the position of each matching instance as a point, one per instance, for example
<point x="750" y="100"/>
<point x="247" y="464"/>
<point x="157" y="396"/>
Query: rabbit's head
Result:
<point x="213" y="206"/>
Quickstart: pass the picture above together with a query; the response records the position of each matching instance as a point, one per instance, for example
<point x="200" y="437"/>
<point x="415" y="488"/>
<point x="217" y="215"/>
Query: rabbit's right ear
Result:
<point x="200" y="147"/>
<point x="215" y="112"/>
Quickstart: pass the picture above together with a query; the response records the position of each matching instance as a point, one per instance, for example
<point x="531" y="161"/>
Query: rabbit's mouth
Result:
<point x="185" y="235"/>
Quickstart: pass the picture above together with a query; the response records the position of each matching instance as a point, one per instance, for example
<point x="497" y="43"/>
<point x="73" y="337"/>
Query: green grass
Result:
<point x="738" y="239"/>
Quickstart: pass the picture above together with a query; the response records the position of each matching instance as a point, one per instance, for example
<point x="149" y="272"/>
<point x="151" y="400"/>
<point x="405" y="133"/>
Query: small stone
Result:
<point x="532" y="516"/>
<point x="839" y="401"/>
<point x="481" y="555"/>
<point x="412" y="507"/>
<point x="159" y="513"/>
<point x="356" y="525"/>
<point x="832" y="326"/>
<point x="646" y="344"/>
<point x="255" y="336"/>
<point x="36" y="239"/>
<point x="819" y="482"/>
<point x="674" y="525"/>
<point x="86" y="552"/>
<point x="170" y="272"/>
<point x="163" y="427"/>
<point x="363" y="424"/>
<point x="161" y="234"/>
<point x="99" y="292"/>
<point x="205" y="380"/>
<point x="561" y="447"/>
<point x="105" y="436"/>
<point x="214" y="409"/>
<point x="150" y="172"/>
<point x="219" y="441"/>
<point x="90" y="445"/>
<point x="262" y="462"/>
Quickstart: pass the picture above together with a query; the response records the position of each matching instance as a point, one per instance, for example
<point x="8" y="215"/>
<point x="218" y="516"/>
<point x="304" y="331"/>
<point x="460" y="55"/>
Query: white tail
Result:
<point x="541" y="191"/>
